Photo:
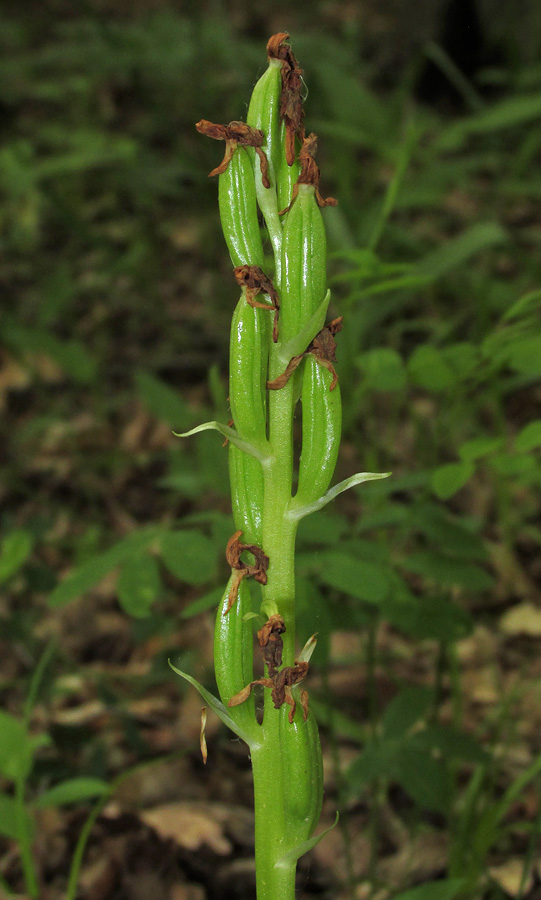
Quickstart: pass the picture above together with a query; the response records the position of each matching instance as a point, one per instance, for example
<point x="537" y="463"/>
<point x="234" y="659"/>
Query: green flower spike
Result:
<point x="282" y="353"/>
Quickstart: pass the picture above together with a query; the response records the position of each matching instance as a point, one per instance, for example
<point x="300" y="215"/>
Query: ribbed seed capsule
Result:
<point x="246" y="477"/>
<point x="303" y="770"/>
<point x="321" y="427"/>
<point x="248" y="360"/>
<point x="264" y="113"/>
<point x="304" y="249"/>
<point x="238" y="210"/>
<point x="233" y="654"/>
<point x="286" y="176"/>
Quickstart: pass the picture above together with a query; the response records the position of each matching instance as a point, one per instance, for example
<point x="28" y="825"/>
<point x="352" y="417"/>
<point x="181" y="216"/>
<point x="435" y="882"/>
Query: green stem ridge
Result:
<point x="285" y="748"/>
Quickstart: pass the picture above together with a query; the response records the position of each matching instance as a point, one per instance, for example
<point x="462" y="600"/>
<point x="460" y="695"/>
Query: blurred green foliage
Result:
<point x="117" y="299"/>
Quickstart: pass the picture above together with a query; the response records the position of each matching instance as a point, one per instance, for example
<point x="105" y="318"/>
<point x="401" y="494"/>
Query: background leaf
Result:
<point x="139" y="585"/>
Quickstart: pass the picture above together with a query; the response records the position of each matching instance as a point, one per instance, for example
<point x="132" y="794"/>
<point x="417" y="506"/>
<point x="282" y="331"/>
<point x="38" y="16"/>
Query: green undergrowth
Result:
<point x="116" y="312"/>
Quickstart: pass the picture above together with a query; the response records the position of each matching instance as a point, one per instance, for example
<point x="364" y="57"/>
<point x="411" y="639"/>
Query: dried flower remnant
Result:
<point x="291" y="108"/>
<point x="309" y="173"/>
<point x="241" y="569"/>
<point x="280" y="685"/>
<point x="236" y="134"/>
<point x="271" y="643"/>
<point x="230" y="424"/>
<point x="202" y="738"/>
<point x="279" y="682"/>
<point x="283" y="681"/>
<point x="323" y="347"/>
<point x="254" y="281"/>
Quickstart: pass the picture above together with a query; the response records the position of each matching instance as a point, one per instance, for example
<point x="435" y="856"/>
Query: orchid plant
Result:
<point x="282" y="354"/>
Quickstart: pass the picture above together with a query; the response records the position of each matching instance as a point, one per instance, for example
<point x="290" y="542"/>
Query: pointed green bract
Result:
<point x="258" y="452"/>
<point x="216" y="706"/>
<point x="298" y="511"/>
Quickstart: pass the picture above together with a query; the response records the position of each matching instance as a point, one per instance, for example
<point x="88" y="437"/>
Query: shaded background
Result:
<point x="116" y="301"/>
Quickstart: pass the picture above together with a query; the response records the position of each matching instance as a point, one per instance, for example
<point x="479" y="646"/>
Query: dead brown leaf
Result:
<point x="525" y="618"/>
<point x="420" y="859"/>
<point x="187" y="892"/>
<point x="509" y="876"/>
<point x="190" y="825"/>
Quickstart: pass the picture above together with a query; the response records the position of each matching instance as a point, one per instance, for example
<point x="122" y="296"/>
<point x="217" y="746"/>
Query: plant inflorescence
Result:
<point x="281" y="354"/>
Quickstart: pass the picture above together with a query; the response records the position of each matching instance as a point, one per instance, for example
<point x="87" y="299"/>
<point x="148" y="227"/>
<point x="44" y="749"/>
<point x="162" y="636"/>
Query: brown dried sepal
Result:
<point x="236" y="134"/>
<point x="243" y="695"/>
<point x="291" y="108"/>
<point x="254" y="281"/>
<point x="244" y="570"/>
<point x="280" y="682"/>
<point x="283" y="681"/>
<point x="280" y="685"/>
<point x="323" y="347"/>
<point x="271" y="643"/>
<point x="202" y="738"/>
<point x="230" y="424"/>
<point x="309" y="173"/>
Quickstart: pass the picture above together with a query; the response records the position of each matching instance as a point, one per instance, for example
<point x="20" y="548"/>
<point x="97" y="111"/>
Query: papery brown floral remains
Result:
<point x="236" y="134"/>
<point x="309" y="173"/>
<point x="323" y="347"/>
<point x="280" y="681"/>
<point x="254" y="281"/>
<point x="241" y="569"/>
<point x="291" y="108"/>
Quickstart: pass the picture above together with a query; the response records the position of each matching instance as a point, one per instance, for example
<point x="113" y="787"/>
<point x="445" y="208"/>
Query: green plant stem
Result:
<point x="25" y="839"/>
<point x="279" y="529"/>
<point x="274" y="882"/>
<point x="82" y="840"/>
<point x="24" y="825"/>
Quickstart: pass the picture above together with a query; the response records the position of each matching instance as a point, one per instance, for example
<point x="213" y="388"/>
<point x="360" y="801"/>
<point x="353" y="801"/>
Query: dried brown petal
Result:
<point x="233" y="551"/>
<point x="323" y="347"/>
<point x="236" y="134"/>
<point x="282" y="379"/>
<point x="202" y="739"/>
<point x="276" y="49"/>
<point x="254" y="281"/>
<point x="304" y="704"/>
<point x="291" y="108"/>
<point x="243" y="695"/>
<point x="271" y="643"/>
<point x="209" y="129"/>
<point x="280" y="682"/>
<point x="309" y="173"/>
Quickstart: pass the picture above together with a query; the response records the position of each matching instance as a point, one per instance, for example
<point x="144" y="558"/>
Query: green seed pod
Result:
<point x="246" y="477"/>
<point x="238" y="210"/>
<point x="233" y="654"/>
<point x="264" y="113"/>
<point x="248" y="361"/>
<point x="304" y="272"/>
<point x="303" y="771"/>
<point x="321" y="427"/>
<point x="286" y="176"/>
